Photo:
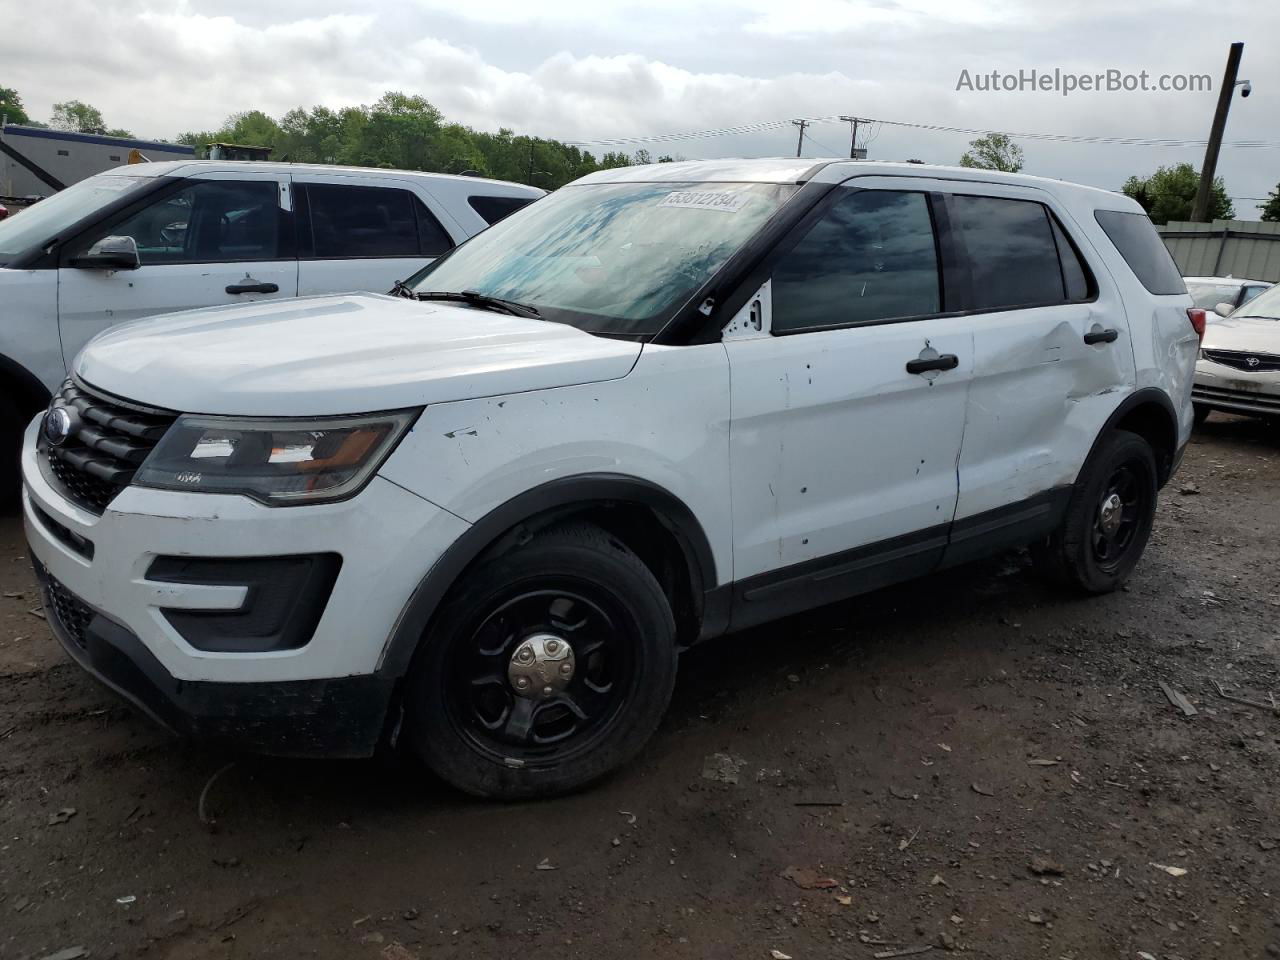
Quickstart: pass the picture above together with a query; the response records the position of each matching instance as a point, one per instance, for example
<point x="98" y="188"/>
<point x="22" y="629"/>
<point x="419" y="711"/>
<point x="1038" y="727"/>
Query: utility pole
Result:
<point x="800" y="143"/>
<point x="1200" y="211"/>
<point x="853" y="136"/>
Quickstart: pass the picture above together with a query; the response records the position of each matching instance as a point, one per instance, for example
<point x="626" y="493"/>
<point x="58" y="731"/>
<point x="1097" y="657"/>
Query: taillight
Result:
<point x="1197" y="317"/>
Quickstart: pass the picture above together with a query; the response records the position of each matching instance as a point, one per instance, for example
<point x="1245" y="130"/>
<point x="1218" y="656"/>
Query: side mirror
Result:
<point x="111" y="253"/>
<point x="1224" y="309"/>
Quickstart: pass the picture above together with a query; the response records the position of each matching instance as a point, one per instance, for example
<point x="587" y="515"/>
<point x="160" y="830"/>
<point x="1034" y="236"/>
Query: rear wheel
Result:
<point x="549" y="667"/>
<point x="1109" y="518"/>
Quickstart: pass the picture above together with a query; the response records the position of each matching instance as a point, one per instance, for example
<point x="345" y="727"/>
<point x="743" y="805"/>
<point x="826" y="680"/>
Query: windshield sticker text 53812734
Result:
<point x="706" y="200"/>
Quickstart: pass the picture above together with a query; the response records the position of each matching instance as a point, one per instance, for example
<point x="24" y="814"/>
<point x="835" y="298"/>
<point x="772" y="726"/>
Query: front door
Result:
<point x="848" y="407"/>
<point x="210" y="240"/>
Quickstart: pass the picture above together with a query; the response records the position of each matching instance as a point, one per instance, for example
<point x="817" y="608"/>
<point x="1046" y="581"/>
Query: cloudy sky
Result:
<point x="589" y="71"/>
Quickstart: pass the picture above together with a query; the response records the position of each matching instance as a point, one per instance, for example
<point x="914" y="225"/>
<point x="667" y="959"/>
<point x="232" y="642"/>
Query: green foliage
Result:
<point x="406" y="132"/>
<point x="1271" y="209"/>
<point x="79" y="117"/>
<point x="1170" y="193"/>
<point x="995" y="151"/>
<point x="11" y="106"/>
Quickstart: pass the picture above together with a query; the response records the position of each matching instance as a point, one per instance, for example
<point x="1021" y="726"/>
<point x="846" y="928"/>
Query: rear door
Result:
<point x="361" y="233"/>
<point x="1052" y="358"/>
<point x="216" y="238"/>
<point x="848" y="404"/>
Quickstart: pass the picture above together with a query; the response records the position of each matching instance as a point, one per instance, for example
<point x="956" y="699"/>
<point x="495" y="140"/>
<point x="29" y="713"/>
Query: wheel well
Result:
<point x="644" y="531"/>
<point x="1156" y="425"/>
<point x="24" y="391"/>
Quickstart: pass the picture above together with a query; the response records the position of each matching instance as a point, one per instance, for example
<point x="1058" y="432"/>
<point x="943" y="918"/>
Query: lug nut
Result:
<point x="522" y="682"/>
<point x="547" y="691"/>
<point x="553" y="646"/>
<point x="566" y="668"/>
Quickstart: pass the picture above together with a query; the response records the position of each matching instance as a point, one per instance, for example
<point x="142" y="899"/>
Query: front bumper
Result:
<point x="1238" y="391"/>
<point x="327" y="696"/>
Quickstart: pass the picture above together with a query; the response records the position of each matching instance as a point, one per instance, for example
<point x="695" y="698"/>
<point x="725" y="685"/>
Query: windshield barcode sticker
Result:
<point x="706" y="200"/>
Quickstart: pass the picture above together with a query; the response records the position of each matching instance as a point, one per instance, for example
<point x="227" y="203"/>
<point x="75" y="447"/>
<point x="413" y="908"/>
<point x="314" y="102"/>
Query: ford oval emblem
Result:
<point x="58" y="425"/>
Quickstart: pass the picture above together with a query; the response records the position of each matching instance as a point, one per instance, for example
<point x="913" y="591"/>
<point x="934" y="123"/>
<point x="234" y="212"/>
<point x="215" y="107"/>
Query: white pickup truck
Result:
<point x="147" y="239"/>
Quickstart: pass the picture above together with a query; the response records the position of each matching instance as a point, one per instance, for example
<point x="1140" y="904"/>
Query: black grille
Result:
<point x="1240" y="360"/>
<point x="108" y="443"/>
<point x="65" y="607"/>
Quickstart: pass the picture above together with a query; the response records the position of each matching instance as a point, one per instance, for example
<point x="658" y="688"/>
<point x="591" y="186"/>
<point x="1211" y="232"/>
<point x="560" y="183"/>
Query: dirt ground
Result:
<point x="971" y="763"/>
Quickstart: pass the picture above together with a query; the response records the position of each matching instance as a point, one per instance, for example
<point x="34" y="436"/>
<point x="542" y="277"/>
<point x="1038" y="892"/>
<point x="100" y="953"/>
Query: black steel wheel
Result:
<point x="1108" y="520"/>
<point x="548" y="667"/>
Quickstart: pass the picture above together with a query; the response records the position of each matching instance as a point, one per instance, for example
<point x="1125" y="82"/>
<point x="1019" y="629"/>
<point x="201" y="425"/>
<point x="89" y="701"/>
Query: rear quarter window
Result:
<point x="1143" y="250"/>
<point x="492" y="209"/>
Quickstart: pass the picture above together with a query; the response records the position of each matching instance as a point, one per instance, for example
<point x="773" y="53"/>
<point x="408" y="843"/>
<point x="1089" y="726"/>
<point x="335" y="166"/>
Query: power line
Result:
<point x="933" y="127"/>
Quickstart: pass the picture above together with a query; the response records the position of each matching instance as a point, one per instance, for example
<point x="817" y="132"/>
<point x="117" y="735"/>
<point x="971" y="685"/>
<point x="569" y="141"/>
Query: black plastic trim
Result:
<point x="1165" y="469"/>
<point x="1004" y="528"/>
<point x="508" y="523"/>
<point x="340" y="717"/>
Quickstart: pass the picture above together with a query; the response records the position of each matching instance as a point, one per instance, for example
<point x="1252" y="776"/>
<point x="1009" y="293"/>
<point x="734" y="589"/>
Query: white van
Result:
<point x="481" y="518"/>
<point x="156" y="238"/>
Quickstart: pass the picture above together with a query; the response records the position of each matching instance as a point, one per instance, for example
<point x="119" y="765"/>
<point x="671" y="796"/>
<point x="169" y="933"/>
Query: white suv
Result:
<point x="146" y="239"/>
<point x="480" y="519"/>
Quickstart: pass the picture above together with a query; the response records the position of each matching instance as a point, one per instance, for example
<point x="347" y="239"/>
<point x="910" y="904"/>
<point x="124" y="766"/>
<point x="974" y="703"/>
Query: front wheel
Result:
<point x="1109" y="518"/>
<point x="10" y="451"/>
<point x="548" y="667"/>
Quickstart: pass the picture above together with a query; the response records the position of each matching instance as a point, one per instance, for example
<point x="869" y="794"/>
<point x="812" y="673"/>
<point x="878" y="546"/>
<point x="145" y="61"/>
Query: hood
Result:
<point x="1246" y="334"/>
<point x="353" y="353"/>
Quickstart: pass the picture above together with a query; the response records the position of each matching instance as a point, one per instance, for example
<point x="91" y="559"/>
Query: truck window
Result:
<point x="1012" y="252"/>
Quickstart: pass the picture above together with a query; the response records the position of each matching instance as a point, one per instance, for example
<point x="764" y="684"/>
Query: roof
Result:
<point x="188" y="168"/>
<point x="13" y="130"/>
<point x="833" y="170"/>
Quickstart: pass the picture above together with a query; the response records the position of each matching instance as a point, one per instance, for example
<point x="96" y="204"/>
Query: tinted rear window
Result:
<point x="350" y="221"/>
<point x="493" y="209"/>
<point x="1142" y="248"/>
<point x="1012" y="252"/>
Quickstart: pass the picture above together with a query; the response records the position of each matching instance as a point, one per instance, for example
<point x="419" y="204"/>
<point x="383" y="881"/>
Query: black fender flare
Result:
<point x="1130" y="403"/>
<point x="522" y="516"/>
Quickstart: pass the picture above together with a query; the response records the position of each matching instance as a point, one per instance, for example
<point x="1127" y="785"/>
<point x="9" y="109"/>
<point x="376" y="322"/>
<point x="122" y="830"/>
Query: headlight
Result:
<point x="276" y="462"/>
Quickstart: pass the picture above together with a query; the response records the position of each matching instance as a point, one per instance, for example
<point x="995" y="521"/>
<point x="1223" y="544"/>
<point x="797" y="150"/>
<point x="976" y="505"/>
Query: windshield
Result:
<point x="1209" y="295"/>
<point x="1265" y="306"/>
<point x="43" y="221"/>
<point x="618" y="258"/>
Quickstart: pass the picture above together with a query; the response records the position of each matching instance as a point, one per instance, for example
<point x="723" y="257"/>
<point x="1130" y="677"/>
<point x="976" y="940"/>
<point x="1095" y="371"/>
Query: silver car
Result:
<point x="1239" y="366"/>
<point x="1221" y="295"/>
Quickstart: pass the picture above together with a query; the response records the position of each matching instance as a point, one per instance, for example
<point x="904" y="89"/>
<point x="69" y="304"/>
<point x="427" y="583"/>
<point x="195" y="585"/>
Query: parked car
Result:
<point x="153" y="238"/>
<point x="481" y="518"/>
<point x="4" y="212"/>
<point x="1221" y="295"/>
<point x="1239" y="366"/>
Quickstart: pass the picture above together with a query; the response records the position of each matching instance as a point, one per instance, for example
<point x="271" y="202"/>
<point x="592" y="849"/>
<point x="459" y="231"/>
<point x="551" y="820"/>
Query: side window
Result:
<point x="871" y="256"/>
<point x="1250" y="293"/>
<point x="356" y="222"/>
<point x="1143" y="250"/>
<point x="1013" y="255"/>
<point x="493" y="209"/>
<point x="433" y="238"/>
<point x="209" y="221"/>
<point x="1075" y="275"/>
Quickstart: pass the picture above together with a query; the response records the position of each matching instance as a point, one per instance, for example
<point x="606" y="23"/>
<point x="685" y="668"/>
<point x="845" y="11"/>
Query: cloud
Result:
<point x="586" y="71"/>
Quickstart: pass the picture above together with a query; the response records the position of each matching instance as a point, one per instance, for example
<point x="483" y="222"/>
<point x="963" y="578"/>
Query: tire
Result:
<point x="10" y="452"/>
<point x="1201" y="413"/>
<point x="466" y="718"/>
<point x="1081" y="553"/>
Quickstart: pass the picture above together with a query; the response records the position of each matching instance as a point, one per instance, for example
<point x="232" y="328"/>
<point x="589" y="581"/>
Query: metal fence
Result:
<point x="1238" y="248"/>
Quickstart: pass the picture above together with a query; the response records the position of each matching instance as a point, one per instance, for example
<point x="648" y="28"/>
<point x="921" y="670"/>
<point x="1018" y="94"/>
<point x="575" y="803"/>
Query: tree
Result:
<point x="1170" y="192"/>
<point x="11" y="106"/>
<point x="78" y="117"/>
<point x="1271" y="209"/>
<point x="995" y="151"/>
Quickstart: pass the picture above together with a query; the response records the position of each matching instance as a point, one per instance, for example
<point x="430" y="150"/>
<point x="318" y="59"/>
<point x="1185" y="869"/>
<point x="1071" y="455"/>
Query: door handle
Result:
<point x="253" y="286"/>
<point x="1098" y="335"/>
<point x="947" y="361"/>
